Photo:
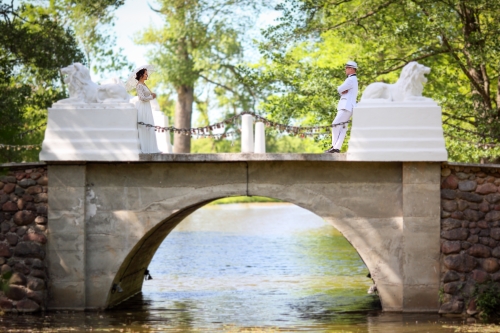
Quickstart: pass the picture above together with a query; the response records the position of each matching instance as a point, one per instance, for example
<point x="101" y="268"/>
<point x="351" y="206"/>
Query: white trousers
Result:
<point x="338" y="132"/>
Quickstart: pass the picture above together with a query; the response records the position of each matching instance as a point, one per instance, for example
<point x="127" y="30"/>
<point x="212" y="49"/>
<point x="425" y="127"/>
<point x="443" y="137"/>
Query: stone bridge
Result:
<point x="107" y="219"/>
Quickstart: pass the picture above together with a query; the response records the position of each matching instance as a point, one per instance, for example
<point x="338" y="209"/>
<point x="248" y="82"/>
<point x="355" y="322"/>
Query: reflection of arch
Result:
<point x="127" y="203"/>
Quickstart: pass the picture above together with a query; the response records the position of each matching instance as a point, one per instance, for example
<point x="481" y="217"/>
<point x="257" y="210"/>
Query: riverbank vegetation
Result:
<point x="205" y="74"/>
<point x="243" y="199"/>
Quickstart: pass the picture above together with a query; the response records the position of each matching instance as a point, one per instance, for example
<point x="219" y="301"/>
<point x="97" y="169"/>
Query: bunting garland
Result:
<point x="19" y="147"/>
<point x="206" y="131"/>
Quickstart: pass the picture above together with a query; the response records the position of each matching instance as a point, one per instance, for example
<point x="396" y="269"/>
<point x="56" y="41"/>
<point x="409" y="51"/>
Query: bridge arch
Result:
<point x="131" y="208"/>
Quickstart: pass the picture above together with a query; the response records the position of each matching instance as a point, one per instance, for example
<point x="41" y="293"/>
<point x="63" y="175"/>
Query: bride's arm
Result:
<point x="143" y="93"/>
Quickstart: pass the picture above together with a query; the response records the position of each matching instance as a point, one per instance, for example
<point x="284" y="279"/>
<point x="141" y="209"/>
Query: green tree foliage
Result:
<point x="298" y="84"/>
<point x="458" y="39"/>
<point x="36" y="41"/>
<point x="32" y="49"/>
<point x="92" y="23"/>
<point x="274" y="144"/>
<point x="199" y="46"/>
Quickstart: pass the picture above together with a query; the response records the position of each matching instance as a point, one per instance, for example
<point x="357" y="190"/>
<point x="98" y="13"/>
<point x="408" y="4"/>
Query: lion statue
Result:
<point x="409" y="86"/>
<point x="83" y="90"/>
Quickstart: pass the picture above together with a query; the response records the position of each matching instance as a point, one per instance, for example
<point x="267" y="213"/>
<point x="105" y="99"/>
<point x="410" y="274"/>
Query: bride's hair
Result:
<point x="140" y="74"/>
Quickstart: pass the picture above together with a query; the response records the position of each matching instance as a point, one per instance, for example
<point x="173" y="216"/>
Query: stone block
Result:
<point x="65" y="222"/>
<point x="24" y="217"/>
<point x="473" y="215"/>
<point x="27" y="305"/>
<point x="65" y="266"/>
<point x="450" y="247"/>
<point x="471" y="197"/>
<point x="9" y="188"/>
<point x="29" y="250"/>
<point x="421" y="251"/>
<point x="67" y="175"/>
<point x="450" y="182"/>
<point x="36" y="284"/>
<point x="452" y="307"/>
<point x="357" y="200"/>
<point x="490" y="265"/>
<point x="460" y="262"/>
<point x="107" y="198"/>
<point x="479" y="251"/>
<point x="15" y="292"/>
<point x="495" y="233"/>
<point x="166" y="174"/>
<point x="67" y="295"/>
<point x="67" y="199"/>
<point x="67" y="241"/>
<point x="102" y="261"/>
<point x="421" y="298"/>
<point x="421" y="173"/>
<point x="26" y="182"/>
<point x="493" y="198"/>
<point x="448" y="194"/>
<point x="480" y="276"/>
<point x="493" y="216"/>
<point x="449" y="205"/>
<point x="316" y="172"/>
<point x="467" y="185"/>
<point x="455" y="234"/>
<point x="451" y="276"/>
<point x="486" y="188"/>
<point x="421" y="200"/>
<point x="391" y="297"/>
<point x="450" y="224"/>
<point x="37" y="189"/>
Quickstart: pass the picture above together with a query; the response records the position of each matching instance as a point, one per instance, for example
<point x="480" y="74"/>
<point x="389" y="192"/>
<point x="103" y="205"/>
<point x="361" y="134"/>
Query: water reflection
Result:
<point x="259" y="265"/>
<point x="242" y="268"/>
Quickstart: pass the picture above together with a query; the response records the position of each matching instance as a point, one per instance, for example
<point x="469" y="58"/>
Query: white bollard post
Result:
<point x="247" y="133"/>
<point x="162" y="138"/>
<point x="260" y="138"/>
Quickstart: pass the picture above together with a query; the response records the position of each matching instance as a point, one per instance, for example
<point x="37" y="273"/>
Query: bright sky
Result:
<point x="131" y="18"/>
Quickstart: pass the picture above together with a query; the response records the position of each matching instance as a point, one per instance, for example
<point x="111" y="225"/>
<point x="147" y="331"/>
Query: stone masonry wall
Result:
<point x="470" y="233"/>
<point x="23" y="219"/>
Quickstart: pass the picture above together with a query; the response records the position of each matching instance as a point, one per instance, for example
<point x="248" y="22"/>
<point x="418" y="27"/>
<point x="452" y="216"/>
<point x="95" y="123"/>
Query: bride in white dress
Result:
<point x="147" y="135"/>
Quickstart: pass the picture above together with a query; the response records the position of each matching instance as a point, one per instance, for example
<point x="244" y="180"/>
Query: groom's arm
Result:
<point x="344" y="87"/>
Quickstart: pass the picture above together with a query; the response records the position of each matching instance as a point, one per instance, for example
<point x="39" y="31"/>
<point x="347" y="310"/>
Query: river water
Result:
<point x="270" y="267"/>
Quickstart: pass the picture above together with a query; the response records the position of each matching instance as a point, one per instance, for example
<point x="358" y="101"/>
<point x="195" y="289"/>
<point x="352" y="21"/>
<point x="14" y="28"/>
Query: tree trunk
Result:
<point x="182" y="118"/>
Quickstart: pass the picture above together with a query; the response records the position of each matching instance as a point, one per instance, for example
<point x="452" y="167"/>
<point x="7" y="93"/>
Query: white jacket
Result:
<point x="348" y="100"/>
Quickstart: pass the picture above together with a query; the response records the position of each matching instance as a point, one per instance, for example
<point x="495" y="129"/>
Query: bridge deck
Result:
<point x="239" y="157"/>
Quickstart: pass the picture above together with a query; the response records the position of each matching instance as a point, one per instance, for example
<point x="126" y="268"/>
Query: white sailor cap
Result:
<point x="351" y="64"/>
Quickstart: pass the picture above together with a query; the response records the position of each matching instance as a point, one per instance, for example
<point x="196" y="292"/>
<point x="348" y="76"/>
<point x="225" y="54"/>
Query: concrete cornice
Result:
<point x="474" y="165"/>
<point x="22" y="165"/>
<point x="239" y="157"/>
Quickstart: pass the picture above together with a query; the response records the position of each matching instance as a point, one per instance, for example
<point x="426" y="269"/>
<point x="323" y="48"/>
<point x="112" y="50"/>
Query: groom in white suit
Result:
<point x="348" y="93"/>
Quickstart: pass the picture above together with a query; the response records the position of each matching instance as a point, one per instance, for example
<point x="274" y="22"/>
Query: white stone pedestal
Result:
<point x="392" y="131"/>
<point x="91" y="132"/>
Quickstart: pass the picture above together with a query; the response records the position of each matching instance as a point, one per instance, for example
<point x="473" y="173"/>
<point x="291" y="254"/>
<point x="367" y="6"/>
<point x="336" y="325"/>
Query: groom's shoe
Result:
<point x="332" y="150"/>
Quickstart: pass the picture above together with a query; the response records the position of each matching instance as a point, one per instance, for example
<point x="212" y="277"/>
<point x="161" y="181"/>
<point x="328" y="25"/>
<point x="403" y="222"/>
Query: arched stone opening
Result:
<point x="130" y="275"/>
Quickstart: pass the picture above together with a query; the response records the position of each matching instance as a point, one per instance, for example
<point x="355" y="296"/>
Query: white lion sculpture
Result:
<point x="409" y="86"/>
<point x="83" y="90"/>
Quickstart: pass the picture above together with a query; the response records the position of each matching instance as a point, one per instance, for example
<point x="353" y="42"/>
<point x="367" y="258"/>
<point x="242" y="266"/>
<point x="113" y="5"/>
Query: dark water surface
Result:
<point x="248" y="268"/>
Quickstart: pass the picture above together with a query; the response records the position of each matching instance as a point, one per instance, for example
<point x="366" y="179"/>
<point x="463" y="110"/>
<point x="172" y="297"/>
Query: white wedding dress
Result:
<point x="147" y="135"/>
